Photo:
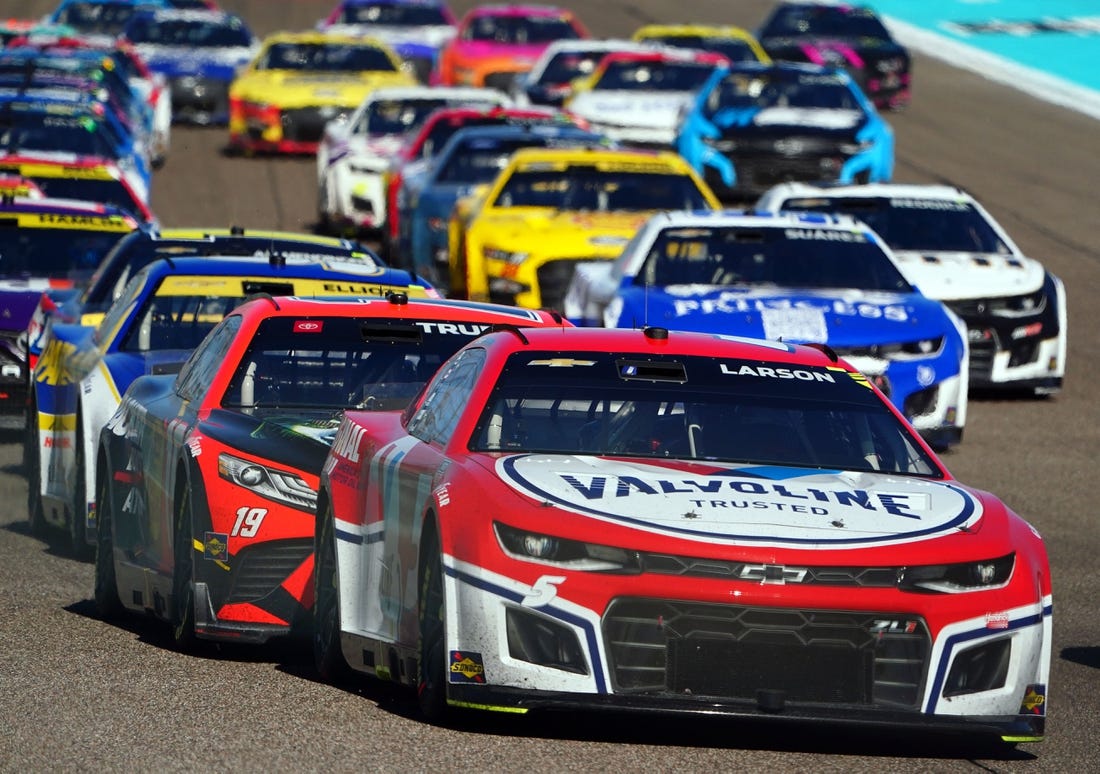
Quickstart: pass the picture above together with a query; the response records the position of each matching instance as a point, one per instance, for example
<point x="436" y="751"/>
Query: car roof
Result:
<point x="397" y="306"/>
<point x="739" y="218"/>
<point x="895" y="190"/>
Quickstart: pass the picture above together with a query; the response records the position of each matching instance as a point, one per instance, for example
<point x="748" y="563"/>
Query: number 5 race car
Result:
<point x="653" y="520"/>
<point x="206" y="484"/>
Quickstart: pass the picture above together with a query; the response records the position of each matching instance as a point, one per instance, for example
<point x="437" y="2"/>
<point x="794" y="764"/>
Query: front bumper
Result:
<point x="540" y="282"/>
<point x="199" y="100"/>
<point x="291" y="131"/>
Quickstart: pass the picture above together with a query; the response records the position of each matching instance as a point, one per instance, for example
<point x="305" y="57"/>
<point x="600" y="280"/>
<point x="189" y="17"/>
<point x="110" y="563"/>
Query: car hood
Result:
<point x="632" y="108"/>
<point x="747" y="504"/>
<point x="176" y="61"/>
<point x="434" y="36"/>
<point x="607" y="232"/>
<point x="841" y="318"/>
<point x="299" y="438"/>
<point x="951" y="276"/>
<point x="317" y="88"/>
<point x="851" y="51"/>
<point x="786" y="121"/>
<point x="522" y="57"/>
<point x="382" y="147"/>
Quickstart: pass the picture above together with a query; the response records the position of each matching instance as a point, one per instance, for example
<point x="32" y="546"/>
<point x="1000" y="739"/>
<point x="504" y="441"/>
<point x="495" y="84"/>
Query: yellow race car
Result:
<point x="298" y="82"/>
<point x="518" y="240"/>
<point x="734" y="43"/>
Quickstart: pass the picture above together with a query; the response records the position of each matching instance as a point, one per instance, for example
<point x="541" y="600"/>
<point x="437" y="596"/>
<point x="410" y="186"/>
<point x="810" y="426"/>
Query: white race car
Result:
<point x="550" y="80"/>
<point x="637" y="97"/>
<point x="354" y="155"/>
<point x="950" y="247"/>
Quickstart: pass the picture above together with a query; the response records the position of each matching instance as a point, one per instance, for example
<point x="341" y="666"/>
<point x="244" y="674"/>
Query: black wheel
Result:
<point x="107" y="603"/>
<point x="78" y="540"/>
<point x="328" y="658"/>
<point x="183" y="590"/>
<point x="431" y="689"/>
<point x="36" y="518"/>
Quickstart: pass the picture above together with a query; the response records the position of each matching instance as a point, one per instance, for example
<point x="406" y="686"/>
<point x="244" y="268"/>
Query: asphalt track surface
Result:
<point x="79" y="694"/>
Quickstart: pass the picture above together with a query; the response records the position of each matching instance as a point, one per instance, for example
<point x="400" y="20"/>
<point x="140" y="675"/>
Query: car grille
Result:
<point x="692" y="567"/>
<point x="554" y="278"/>
<point x="262" y="568"/>
<point x="308" y="124"/>
<point x="196" y="99"/>
<point x="733" y="652"/>
<point x="500" y="81"/>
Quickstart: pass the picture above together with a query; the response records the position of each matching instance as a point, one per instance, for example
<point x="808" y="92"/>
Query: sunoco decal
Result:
<point x="762" y="505"/>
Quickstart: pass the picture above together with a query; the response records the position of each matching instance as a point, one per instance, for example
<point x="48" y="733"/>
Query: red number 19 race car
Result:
<point x="207" y="483"/>
<point x="646" y="520"/>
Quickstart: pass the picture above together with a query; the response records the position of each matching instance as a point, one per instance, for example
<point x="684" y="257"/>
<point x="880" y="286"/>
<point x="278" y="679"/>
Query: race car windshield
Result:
<point x="63" y="253"/>
<point x="803" y="257"/>
<point x="781" y="90"/>
<point x="80" y="135"/>
<point x="312" y="56"/>
<point x="390" y="117"/>
<point x="393" y="14"/>
<point x="824" y="22"/>
<point x="97" y="18"/>
<point x="109" y="191"/>
<point x="520" y="30"/>
<point x="193" y="34"/>
<point x="653" y="76"/>
<point x="341" y="362"/>
<point x="696" y="408"/>
<point x="733" y="49"/>
<point x="586" y="187"/>
<point x="567" y="65"/>
<point x="938" y="225"/>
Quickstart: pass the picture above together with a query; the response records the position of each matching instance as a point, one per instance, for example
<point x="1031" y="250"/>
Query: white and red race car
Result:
<point x="654" y="520"/>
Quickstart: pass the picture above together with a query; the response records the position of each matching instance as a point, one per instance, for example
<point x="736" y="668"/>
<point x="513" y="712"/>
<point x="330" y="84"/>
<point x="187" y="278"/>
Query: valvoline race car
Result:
<point x="161" y="316"/>
<point x="473" y="157"/>
<point x="298" y="82"/>
<point x="753" y="126"/>
<point x="198" y="52"/>
<point x="50" y="247"/>
<point x="415" y="29"/>
<point x="800" y="277"/>
<point x="734" y="43"/>
<point x="841" y="34"/>
<point x="554" y="209"/>
<point x="656" y="520"/>
<point x="92" y="179"/>
<point x="954" y="250"/>
<point x="207" y="484"/>
<point x="495" y="43"/>
<point x="638" y="97"/>
<point x="355" y="155"/>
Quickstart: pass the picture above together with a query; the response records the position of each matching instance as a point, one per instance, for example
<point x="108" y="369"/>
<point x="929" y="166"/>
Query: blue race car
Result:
<point x="798" y="277"/>
<point x="414" y="29"/>
<point x="100" y="17"/>
<point x="163" y="313"/>
<point x="472" y="157"/>
<point x="198" y="52"/>
<point x="755" y="125"/>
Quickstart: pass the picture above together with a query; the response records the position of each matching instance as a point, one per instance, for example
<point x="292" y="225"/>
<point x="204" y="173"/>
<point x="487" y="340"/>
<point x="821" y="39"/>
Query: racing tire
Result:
<point x="431" y="686"/>
<point x="107" y="602"/>
<point x="78" y="539"/>
<point x="328" y="658"/>
<point x="183" y="590"/>
<point x="32" y="461"/>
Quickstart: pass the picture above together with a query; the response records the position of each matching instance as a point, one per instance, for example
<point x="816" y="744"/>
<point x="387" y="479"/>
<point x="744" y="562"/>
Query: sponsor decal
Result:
<point x="194" y="445"/>
<point x="248" y="521"/>
<point x="737" y="302"/>
<point x="442" y="496"/>
<point x="215" y="546"/>
<point x="467" y="667"/>
<point x="1035" y="700"/>
<point x="930" y="204"/>
<point x="761" y="505"/>
<point x="825" y="235"/>
<point x="544" y="591"/>
<point x="452" y="329"/>
<point x="764" y="372"/>
<point x="347" y="441"/>
<point x="308" y="326"/>
<point x="926" y="374"/>
<point x="996" y="620"/>
<point x="883" y="626"/>
<point x="561" y="362"/>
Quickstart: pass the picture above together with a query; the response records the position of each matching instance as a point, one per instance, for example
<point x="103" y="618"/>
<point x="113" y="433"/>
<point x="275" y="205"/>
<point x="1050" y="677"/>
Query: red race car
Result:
<point x="207" y="483"/>
<point x="667" y="521"/>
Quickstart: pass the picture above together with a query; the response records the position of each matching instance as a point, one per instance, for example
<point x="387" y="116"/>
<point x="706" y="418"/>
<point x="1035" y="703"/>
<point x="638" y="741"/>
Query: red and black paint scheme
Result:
<point x="208" y="480"/>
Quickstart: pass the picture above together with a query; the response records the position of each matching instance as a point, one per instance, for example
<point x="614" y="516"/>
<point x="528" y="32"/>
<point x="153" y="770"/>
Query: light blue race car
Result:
<point x="800" y="278"/>
<point x="755" y="125"/>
